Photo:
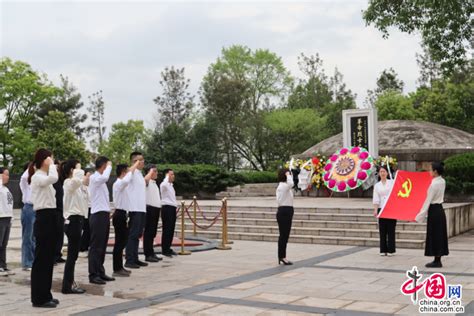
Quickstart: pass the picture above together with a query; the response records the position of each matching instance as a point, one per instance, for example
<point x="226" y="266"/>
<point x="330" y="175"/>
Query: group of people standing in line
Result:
<point x="62" y="198"/>
<point x="432" y="211"/>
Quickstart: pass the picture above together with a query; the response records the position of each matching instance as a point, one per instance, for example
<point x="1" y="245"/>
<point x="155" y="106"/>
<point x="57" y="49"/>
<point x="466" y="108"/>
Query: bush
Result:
<point x="258" y="176"/>
<point x="459" y="173"/>
<point x="192" y="179"/>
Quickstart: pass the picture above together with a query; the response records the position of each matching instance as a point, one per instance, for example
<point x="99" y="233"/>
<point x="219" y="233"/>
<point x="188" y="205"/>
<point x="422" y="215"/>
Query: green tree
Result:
<point x="123" y="139"/>
<point x="21" y="147"/>
<point x="392" y="105"/>
<point x="204" y="138"/>
<point x="388" y="80"/>
<point x="444" y="25"/>
<point x="170" y="145"/>
<point x="430" y="69"/>
<point x="97" y="112"/>
<point x="294" y="131"/>
<point x="22" y="91"/>
<point x="58" y="137"/>
<point x="67" y="101"/>
<point x="176" y="102"/>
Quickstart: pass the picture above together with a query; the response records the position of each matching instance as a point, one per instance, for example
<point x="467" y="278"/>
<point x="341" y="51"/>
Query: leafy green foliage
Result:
<point x="63" y="143"/>
<point x="392" y="105"/>
<point x="459" y="175"/>
<point x="258" y="176"/>
<point x="445" y="25"/>
<point x="123" y="139"/>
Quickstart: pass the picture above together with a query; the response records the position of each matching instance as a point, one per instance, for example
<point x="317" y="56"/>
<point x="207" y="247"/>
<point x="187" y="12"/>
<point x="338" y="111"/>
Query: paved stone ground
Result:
<point x="340" y="280"/>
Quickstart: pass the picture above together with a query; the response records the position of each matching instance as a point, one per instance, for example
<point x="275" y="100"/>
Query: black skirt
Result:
<point x="436" y="232"/>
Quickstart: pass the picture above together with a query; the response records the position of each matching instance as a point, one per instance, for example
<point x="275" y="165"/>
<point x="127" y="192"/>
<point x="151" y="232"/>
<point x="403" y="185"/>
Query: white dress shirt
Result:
<point x="120" y="193"/>
<point x="43" y="195"/>
<point x="435" y="196"/>
<point x="153" y="197"/>
<point x="98" y="191"/>
<point x="284" y="192"/>
<point x="136" y="191"/>
<point x="75" y="197"/>
<point x="6" y="201"/>
<point x="381" y="192"/>
<point x="168" y="194"/>
<point x="25" y="188"/>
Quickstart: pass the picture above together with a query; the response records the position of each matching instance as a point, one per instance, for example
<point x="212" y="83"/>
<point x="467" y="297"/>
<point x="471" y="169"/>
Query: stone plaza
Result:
<point x="325" y="279"/>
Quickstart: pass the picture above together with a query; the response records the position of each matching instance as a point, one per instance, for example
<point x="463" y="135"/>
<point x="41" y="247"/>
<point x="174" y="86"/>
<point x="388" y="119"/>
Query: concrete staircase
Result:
<point x="249" y="190"/>
<point x="340" y="226"/>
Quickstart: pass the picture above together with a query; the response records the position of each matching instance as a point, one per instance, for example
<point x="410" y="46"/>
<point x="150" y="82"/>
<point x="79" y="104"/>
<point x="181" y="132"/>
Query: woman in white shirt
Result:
<point x="6" y="214"/>
<point x="386" y="226"/>
<point x="284" y="196"/>
<point x="436" y="244"/>
<point x="42" y="175"/>
<point x="75" y="208"/>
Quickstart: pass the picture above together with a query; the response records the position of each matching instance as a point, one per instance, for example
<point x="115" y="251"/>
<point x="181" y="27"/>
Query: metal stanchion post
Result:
<point x="223" y="245"/>
<point x="227" y="241"/>
<point x="194" y="215"/>
<point x="183" y="252"/>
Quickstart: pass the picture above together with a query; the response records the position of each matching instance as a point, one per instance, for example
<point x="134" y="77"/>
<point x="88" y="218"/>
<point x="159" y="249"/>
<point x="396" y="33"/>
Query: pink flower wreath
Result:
<point x="347" y="169"/>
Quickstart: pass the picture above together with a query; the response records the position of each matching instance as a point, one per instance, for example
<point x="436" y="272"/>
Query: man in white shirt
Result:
<point x="99" y="220"/>
<point x="153" y="207"/>
<point x="168" y="213"/>
<point x="27" y="223"/>
<point x="119" y="219"/>
<point x="137" y="212"/>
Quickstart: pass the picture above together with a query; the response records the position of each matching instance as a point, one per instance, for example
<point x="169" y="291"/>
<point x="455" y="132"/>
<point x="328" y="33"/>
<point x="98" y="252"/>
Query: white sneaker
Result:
<point x="383" y="254"/>
<point x="83" y="254"/>
<point x="3" y="272"/>
<point x="390" y="254"/>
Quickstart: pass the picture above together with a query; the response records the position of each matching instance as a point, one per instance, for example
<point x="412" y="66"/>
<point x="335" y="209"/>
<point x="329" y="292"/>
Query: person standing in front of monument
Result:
<point x="153" y="208"/>
<point x="284" y="196"/>
<point x="27" y="222"/>
<point x="43" y="173"/>
<point x="99" y="220"/>
<point x="6" y="214"/>
<point x="137" y="213"/>
<point x="168" y="213"/>
<point x="386" y="225"/>
<point x="436" y="244"/>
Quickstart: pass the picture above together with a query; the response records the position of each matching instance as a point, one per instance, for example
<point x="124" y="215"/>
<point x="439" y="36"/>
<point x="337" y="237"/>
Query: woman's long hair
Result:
<point x="40" y="156"/>
<point x="69" y="166"/>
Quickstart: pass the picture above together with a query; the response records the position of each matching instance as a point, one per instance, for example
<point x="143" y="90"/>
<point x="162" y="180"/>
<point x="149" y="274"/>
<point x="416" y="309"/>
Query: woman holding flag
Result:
<point x="386" y="225"/>
<point x="436" y="244"/>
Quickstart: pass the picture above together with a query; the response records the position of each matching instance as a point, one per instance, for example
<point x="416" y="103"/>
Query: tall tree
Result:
<point x="67" y="101"/>
<point x="444" y="25"/>
<point x="430" y="69"/>
<point x="97" y="112"/>
<point x="22" y="91"/>
<point x="57" y="136"/>
<point x="123" y="139"/>
<point x="388" y="80"/>
<point x="176" y="102"/>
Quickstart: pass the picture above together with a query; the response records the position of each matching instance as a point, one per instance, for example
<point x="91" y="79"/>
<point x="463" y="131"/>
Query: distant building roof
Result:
<point x="408" y="140"/>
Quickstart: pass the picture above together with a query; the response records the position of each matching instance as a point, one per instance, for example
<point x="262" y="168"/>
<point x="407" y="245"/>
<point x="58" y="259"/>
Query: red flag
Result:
<point x="407" y="196"/>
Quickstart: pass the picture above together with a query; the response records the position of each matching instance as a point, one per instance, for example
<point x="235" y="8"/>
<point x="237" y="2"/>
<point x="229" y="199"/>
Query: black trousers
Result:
<point x="45" y="232"/>
<point x="284" y="218"/>
<point x="86" y="233"/>
<point x="99" y="227"/>
<point x="136" y="226"/>
<point x="151" y="227"/>
<point x="436" y="232"/>
<point x="387" y="234"/>
<point x="168" y="218"/>
<point x="60" y="239"/>
<point x="73" y="232"/>
<point x="119" y="220"/>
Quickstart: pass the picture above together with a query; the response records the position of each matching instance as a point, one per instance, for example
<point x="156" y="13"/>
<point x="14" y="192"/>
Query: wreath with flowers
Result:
<point x="347" y="169"/>
<point x="316" y="164"/>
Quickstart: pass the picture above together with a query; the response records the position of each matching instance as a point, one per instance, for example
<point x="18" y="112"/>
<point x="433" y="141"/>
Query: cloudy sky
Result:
<point x="121" y="47"/>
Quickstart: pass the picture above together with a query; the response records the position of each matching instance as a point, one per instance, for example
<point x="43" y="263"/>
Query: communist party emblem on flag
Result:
<point x="407" y="196"/>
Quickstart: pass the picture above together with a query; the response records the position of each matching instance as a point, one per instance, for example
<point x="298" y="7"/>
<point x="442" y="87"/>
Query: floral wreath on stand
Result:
<point x="316" y="164"/>
<point x="390" y="162"/>
<point x="348" y="169"/>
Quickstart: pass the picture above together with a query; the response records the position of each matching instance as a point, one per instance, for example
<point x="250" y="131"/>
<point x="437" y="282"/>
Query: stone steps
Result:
<point x="326" y="240"/>
<point x="311" y="231"/>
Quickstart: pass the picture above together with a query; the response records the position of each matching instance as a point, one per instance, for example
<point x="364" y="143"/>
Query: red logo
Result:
<point x="435" y="285"/>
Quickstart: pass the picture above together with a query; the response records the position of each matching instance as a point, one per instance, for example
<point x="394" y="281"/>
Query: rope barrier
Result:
<point x="214" y="221"/>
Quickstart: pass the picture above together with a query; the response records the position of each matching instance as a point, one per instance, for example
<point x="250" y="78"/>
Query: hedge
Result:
<point x="459" y="173"/>
<point x="258" y="176"/>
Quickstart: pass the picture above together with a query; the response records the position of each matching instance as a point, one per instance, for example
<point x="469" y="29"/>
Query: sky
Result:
<point x="121" y="47"/>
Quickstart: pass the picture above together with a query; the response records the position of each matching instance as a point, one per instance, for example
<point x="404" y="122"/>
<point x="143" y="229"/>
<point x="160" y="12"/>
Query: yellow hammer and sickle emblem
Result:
<point x="405" y="192"/>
